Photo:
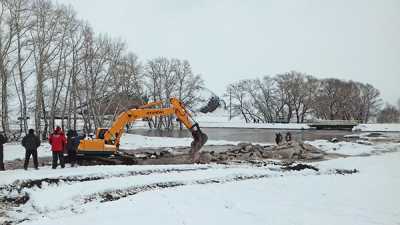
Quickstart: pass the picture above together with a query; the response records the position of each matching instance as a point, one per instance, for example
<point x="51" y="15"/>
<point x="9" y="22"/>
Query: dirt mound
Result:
<point x="247" y="152"/>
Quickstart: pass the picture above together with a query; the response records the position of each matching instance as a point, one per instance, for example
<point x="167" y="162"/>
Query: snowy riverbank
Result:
<point x="378" y="127"/>
<point x="212" y="194"/>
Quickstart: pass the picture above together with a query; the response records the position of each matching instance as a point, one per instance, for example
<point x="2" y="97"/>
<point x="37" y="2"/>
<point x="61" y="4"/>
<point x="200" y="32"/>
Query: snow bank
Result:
<point x="368" y="197"/>
<point x="10" y="176"/>
<point x="351" y="148"/>
<point x="390" y="127"/>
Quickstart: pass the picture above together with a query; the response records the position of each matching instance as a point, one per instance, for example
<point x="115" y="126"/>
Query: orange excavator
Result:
<point x="107" y="140"/>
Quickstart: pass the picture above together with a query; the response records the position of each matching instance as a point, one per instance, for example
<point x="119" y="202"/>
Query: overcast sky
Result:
<point x="226" y="41"/>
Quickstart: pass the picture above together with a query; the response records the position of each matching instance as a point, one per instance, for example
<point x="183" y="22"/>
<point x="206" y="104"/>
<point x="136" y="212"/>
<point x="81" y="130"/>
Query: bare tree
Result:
<point x="7" y="34"/>
<point x="166" y="78"/>
<point x="43" y="33"/>
<point x="21" y="20"/>
<point x="296" y="94"/>
<point x="389" y="114"/>
<point x="188" y="84"/>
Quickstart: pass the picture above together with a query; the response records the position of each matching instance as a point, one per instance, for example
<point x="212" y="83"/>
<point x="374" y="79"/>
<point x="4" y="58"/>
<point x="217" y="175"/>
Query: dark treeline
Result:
<point x="295" y="96"/>
<point x="58" y="70"/>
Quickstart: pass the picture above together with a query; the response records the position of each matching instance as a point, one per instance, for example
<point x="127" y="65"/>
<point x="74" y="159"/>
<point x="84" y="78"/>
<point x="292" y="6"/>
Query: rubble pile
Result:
<point x="248" y="151"/>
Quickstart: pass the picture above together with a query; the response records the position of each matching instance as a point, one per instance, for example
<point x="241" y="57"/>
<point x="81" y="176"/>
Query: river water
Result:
<point x="248" y="135"/>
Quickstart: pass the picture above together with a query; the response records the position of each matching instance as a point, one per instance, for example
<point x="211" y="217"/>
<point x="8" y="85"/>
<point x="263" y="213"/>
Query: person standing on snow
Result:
<point x="58" y="141"/>
<point x="3" y="140"/>
<point x="72" y="146"/>
<point x="31" y="142"/>
<point x="288" y="137"/>
<point x="278" y="138"/>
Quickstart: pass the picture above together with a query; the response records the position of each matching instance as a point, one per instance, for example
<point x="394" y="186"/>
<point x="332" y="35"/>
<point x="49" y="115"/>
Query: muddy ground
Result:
<point x="224" y="154"/>
<point x="221" y="154"/>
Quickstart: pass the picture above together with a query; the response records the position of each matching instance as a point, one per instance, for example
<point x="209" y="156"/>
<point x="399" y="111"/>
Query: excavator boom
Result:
<point x="107" y="141"/>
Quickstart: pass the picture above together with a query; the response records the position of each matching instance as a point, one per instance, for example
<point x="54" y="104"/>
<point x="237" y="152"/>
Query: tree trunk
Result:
<point x="4" y="101"/>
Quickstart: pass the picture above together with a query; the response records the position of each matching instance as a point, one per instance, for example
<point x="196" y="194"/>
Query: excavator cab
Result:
<point x="100" y="132"/>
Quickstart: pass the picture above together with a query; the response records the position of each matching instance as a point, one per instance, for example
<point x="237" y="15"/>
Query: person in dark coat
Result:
<point x="31" y="142"/>
<point x="58" y="141"/>
<point x="3" y="140"/>
<point x="278" y="138"/>
<point x="72" y="146"/>
<point x="288" y="137"/>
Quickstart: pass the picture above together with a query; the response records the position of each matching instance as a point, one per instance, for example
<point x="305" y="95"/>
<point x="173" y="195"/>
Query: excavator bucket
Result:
<point x="199" y="139"/>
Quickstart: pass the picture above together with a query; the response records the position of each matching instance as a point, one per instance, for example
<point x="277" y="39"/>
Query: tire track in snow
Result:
<point x="122" y="193"/>
<point x="174" y="182"/>
<point x="20" y="185"/>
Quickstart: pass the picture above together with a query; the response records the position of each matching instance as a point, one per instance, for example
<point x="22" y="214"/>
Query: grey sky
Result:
<point x="226" y="41"/>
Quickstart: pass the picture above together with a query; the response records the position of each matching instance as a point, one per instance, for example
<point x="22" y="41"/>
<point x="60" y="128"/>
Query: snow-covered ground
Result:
<point x="213" y="194"/>
<point x="390" y="127"/>
<point x="354" y="148"/>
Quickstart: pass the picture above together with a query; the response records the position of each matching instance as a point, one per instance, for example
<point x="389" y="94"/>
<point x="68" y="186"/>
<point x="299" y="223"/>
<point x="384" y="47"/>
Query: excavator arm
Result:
<point x="108" y="140"/>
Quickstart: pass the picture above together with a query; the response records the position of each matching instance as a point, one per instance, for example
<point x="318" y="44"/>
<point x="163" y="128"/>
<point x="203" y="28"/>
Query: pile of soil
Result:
<point x="288" y="151"/>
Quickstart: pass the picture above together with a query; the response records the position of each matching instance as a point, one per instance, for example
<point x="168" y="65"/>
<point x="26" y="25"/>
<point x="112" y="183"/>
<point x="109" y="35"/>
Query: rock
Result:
<point x="310" y="148"/>
<point x="312" y="156"/>
<point x="248" y="148"/>
<point x="222" y="157"/>
<point x="243" y="145"/>
<point x="363" y="142"/>
<point x="289" y="153"/>
<point x="205" y="157"/>
<point x="345" y="171"/>
<point x="267" y="154"/>
<point x="374" y="134"/>
<point x="299" y="167"/>
<point x="255" y="155"/>
<point x="334" y="140"/>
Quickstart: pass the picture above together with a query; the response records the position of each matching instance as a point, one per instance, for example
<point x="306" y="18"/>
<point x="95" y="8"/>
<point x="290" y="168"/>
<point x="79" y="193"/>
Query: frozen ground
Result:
<point x="210" y="194"/>
<point x="390" y="127"/>
<point x="355" y="148"/>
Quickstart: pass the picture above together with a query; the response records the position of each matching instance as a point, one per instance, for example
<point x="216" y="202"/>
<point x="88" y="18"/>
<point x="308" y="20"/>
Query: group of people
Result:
<point x="59" y="142"/>
<point x="279" y="138"/>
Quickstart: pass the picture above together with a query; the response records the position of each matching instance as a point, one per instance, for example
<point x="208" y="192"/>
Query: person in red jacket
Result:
<point x="58" y="141"/>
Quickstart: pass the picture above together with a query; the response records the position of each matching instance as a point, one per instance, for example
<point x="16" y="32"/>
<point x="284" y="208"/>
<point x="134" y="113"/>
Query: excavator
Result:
<point x="107" y="140"/>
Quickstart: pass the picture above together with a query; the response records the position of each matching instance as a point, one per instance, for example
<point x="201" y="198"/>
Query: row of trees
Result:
<point x="389" y="114"/>
<point x="295" y="96"/>
<point x="56" y="67"/>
